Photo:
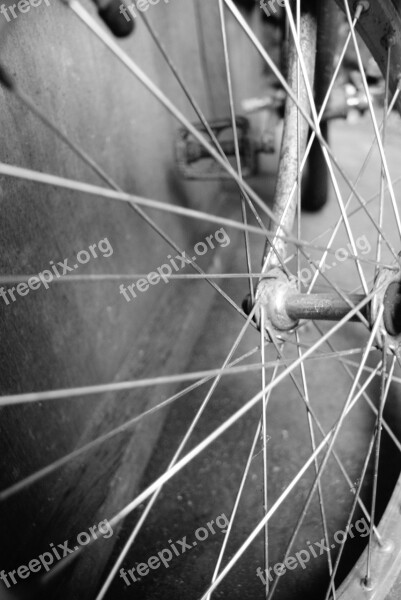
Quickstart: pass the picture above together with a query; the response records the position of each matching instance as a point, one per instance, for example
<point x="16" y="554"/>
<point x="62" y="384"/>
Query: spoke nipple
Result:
<point x="390" y="39"/>
<point x="367" y="583"/>
<point x="360" y="7"/>
<point x="387" y="546"/>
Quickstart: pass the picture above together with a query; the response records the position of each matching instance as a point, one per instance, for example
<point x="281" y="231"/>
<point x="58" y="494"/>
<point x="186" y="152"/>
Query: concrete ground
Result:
<point x="206" y="489"/>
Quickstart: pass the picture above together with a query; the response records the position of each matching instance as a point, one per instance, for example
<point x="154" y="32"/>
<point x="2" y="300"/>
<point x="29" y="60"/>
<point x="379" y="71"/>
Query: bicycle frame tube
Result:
<point x="282" y="208"/>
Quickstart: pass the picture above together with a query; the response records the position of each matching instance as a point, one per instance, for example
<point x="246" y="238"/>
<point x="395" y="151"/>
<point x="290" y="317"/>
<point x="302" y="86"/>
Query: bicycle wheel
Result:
<point x="95" y="400"/>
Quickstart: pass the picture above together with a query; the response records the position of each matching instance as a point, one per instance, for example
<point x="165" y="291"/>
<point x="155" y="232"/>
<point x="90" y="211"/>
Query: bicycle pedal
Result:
<point x="194" y="161"/>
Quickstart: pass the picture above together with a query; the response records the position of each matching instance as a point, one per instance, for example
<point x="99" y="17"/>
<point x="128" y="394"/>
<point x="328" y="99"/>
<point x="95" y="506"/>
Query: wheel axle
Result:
<point x="328" y="307"/>
<point x="284" y="306"/>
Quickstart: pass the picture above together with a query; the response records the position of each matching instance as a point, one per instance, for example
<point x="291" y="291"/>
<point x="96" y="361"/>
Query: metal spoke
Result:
<point x="87" y="188"/>
<point x="299" y="149"/>
<point x="63" y="393"/>
<point x="383" y="174"/>
<point x="107" y="277"/>
<point x="92" y="190"/>
<point x="13" y="399"/>
<point x="384" y="389"/>
<point x="265" y="398"/>
<point x="236" y="143"/>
